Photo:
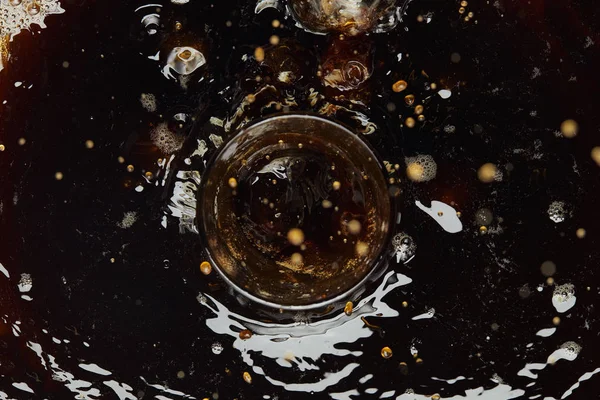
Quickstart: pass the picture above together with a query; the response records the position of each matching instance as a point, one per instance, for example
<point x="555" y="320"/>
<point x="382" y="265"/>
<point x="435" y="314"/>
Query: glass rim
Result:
<point x="376" y="265"/>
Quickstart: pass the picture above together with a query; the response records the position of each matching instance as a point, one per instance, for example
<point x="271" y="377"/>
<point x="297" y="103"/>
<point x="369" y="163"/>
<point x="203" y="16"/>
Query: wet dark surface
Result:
<point x="523" y="69"/>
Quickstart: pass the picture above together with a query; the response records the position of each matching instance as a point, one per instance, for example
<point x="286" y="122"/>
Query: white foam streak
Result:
<point x="583" y="377"/>
<point x="94" y="368"/>
<point x="297" y="344"/>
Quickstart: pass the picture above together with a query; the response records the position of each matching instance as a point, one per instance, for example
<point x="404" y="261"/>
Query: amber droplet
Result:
<point x="259" y="54"/>
<point x="130" y="168"/>
<point x="461" y="10"/>
<point x="556" y="321"/>
<point x="463" y="3"/>
<point x="348" y="308"/>
<point x="336" y="185"/>
<point x="421" y="118"/>
<point x="178" y="26"/>
<point x="245" y="334"/>
<point x="247" y="377"/>
<point x="419" y="109"/>
<point x="232" y="182"/>
<point x="409" y="99"/>
<point x="482" y="229"/>
<point x="487" y="172"/>
<point x="410" y="122"/>
<point x="205" y="268"/>
<point x="386" y="352"/>
<point x="569" y="128"/>
<point x="399" y="86"/>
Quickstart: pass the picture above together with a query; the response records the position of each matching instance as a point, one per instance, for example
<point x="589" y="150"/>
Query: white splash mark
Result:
<point x="16" y="330"/>
<point x="365" y="379"/>
<point x="371" y="390"/>
<point x="94" y="368"/>
<point x="23" y="386"/>
<point x="55" y="340"/>
<point x="449" y="381"/>
<point x="26" y="298"/>
<point x="179" y="2"/>
<point x="563" y="297"/>
<point x="139" y="188"/>
<point x="18" y="84"/>
<point x="500" y="392"/>
<point x="443" y="214"/>
<point x="347" y="395"/>
<point x="121" y="390"/>
<point x="4" y="271"/>
<point x="568" y="351"/>
<point x="25" y="283"/>
<point x="528" y="368"/>
<point x="166" y="390"/>
<point x="583" y="377"/>
<point x="445" y="93"/>
<point x="546" y="332"/>
<point x="429" y="314"/>
<point x="217" y="121"/>
<point x="37" y="349"/>
<point x="388" y="394"/>
<point x="299" y="344"/>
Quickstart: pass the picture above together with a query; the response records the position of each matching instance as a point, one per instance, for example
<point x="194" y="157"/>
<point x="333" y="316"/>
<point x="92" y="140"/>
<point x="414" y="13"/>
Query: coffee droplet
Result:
<point x="259" y="54"/>
<point x="409" y="99"/>
<point x="232" y="183"/>
<point x="247" y="377"/>
<point x="569" y="128"/>
<point x="595" y="153"/>
<point x="415" y="171"/>
<point x="399" y="86"/>
<point x="487" y="172"/>
<point x="580" y="233"/>
<point x="336" y="185"/>
<point x="556" y="321"/>
<point x="410" y="122"/>
<point x="297" y="259"/>
<point x="362" y="249"/>
<point x="348" y="308"/>
<point x="245" y="334"/>
<point x="386" y="352"/>
<point x="354" y="227"/>
<point x="419" y="109"/>
<point x="205" y="268"/>
<point x="295" y="236"/>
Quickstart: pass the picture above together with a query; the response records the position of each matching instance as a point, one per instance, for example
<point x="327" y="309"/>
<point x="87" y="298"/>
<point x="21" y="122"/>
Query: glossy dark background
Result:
<point x="140" y="314"/>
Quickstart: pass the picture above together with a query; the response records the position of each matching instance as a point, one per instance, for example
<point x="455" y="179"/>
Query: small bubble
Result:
<point x="399" y="86"/>
<point x="120" y="159"/>
<point x="130" y="168"/>
<point x="595" y="153"/>
<point x="386" y="352"/>
<point x="21" y="141"/>
<point x="245" y="334"/>
<point x="483" y="229"/>
<point x="275" y="23"/>
<point x="556" y="321"/>
<point x="2" y="147"/>
<point x="65" y="64"/>
<point x="89" y="144"/>
<point x="300" y="145"/>
<point x="326" y="204"/>
<point x="58" y="176"/>
<point x="464" y="3"/>
<point x="181" y="374"/>
<point x="409" y="99"/>
<point x="455" y="58"/>
<point x="580" y="233"/>
<point x="205" y="268"/>
<point x="419" y="109"/>
<point x="410" y="122"/>
<point x="274" y="40"/>
<point x="232" y="182"/>
<point x="336" y="185"/>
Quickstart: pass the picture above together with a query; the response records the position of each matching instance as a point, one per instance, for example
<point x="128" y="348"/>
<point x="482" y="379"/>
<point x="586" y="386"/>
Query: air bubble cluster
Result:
<point x="557" y="211"/>
<point x="148" y="101"/>
<point x="166" y="140"/>
<point x="404" y="246"/>
<point x="16" y="16"/>
<point x="421" y="168"/>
